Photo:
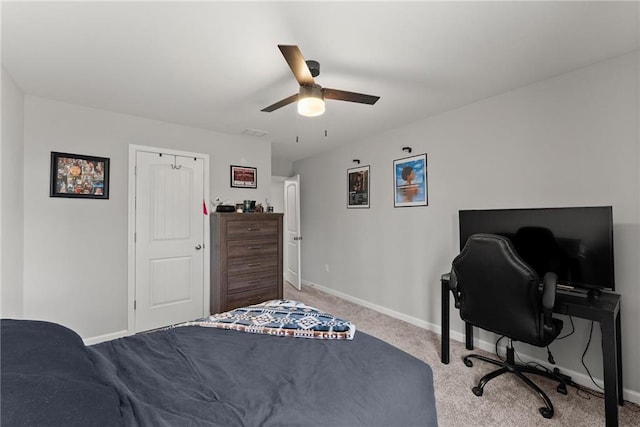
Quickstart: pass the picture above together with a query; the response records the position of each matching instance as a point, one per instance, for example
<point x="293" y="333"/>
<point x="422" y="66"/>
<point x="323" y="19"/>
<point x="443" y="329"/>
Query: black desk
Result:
<point x="605" y="310"/>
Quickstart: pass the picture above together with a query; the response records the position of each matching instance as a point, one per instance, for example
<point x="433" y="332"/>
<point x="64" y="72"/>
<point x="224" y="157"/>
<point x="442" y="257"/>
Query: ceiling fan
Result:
<point x="311" y="95"/>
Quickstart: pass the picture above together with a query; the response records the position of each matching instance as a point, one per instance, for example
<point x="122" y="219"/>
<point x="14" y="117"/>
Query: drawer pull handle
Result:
<point x="253" y="229"/>
<point x="257" y="264"/>
<point x="254" y="282"/>
<point x="256" y="298"/>
<point x="253" y="248"/>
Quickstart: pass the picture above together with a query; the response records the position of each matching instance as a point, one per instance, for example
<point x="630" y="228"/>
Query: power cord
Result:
<point x="517" y="356"/>
<point x="573" y="329"/>
<point x="581" y="391"/>
<point x="587" y="393"/>
<point x="584" y="353"/>
<point x="550" y="356"/>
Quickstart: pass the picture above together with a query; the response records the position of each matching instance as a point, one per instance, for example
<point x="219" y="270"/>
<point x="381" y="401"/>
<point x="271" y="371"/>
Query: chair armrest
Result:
<point x="550" y="283"/>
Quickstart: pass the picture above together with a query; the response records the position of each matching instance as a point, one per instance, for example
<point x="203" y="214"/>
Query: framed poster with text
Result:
<point x="244" y="177"/>
<point x="358" y="187"/>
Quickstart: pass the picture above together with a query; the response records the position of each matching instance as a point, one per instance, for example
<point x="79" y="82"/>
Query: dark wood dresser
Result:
<point x="246" y="259"/>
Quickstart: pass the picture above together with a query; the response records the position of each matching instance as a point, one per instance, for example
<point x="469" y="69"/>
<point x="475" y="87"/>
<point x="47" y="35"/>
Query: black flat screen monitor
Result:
<point x="576" y="243"/>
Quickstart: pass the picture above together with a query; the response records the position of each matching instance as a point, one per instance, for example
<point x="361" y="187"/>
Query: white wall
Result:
<point x="568" y="141"/>
<point x="277" y="193"/>
<point x="281" y="167"/>
<point x="75" y="251"/>
<point x="11" y="198"/>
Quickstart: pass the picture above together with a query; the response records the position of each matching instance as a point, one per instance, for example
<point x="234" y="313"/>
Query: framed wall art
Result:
<point x="410" y="181"/>
<point x="358" y="187"/>
<point x="244" y="177"/>
<point x="79" y="176"/>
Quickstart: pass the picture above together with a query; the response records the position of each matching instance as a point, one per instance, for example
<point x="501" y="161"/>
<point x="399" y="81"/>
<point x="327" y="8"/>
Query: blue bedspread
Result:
<point x="193" y="376"/>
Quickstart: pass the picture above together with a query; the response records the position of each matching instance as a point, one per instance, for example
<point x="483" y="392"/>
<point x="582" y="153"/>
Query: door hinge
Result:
<point x="135" y="304"/>
<point x="135" y="237"/>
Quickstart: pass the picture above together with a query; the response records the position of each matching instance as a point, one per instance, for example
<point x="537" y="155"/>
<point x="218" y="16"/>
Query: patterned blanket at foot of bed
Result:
<point x="282" y="318"/>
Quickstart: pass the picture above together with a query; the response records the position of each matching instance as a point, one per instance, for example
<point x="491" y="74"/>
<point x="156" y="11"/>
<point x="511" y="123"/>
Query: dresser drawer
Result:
<point x="242" y="299"/>
<point x="244" y="265"/>
<point x="251" y="248"/>
<point x="259" y="280"/>
<point x="251" y="229"/>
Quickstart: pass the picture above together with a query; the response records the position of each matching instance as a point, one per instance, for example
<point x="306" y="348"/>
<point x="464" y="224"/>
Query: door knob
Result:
<point x="198" y="247"/>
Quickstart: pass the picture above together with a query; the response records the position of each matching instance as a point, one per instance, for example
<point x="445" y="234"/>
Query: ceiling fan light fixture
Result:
<point x="311" y="95"/>
<point x="310" y="101"/>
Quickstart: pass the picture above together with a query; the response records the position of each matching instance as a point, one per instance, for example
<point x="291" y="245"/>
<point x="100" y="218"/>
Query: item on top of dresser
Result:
<point x="225" y="208"/>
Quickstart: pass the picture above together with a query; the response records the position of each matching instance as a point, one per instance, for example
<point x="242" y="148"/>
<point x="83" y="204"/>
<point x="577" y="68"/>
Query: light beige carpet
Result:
<point x="506" y="401"/>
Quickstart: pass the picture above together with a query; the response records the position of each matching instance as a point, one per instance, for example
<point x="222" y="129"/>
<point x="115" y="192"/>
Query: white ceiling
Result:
<point x="214" y="65"/>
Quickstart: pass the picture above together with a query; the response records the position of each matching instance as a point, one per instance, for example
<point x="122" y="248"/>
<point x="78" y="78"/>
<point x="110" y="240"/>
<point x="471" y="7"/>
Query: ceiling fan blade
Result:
<point x="343" y="95"/>
<point x="296" y="62"/>
<point x="288" y="100"/>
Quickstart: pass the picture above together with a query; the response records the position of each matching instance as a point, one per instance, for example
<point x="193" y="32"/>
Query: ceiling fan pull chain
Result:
<point x="325" y="125"/>
<point x="297" y="128"/>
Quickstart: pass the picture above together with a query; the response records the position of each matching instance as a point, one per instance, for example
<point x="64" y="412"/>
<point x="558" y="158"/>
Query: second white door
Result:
<point x="292" y="230"/>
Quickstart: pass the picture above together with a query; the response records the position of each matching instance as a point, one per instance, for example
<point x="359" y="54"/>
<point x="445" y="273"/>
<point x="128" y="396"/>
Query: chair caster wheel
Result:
<point x="562" y="389"/>
<point x="546" y="412"/>
<point x="467" y="362"/>
<point x="478" y="391"/>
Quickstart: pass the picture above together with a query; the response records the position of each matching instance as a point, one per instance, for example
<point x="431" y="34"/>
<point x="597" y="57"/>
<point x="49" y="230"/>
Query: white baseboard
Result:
<point x="578" y="377"/>
<point x="106" y="337"/>
<point x="380" y="309"/>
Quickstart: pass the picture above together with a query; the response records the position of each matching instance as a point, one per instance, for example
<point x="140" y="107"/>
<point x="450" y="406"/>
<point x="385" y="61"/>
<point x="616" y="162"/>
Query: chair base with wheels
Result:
<point x="510" y="366"/>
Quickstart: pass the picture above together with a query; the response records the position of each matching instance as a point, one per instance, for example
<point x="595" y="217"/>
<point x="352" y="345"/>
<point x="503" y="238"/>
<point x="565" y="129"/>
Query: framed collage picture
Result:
<point x="79" y="176"/>
<point x="358" y="187"/>
<point x="410" y="181"/>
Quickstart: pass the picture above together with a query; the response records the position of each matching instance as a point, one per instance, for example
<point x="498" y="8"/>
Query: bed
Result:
<point x="209" y="376"/>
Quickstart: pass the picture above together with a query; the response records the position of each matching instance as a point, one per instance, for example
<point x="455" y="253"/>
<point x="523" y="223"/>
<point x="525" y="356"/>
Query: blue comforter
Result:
<point x="193" y="376"/>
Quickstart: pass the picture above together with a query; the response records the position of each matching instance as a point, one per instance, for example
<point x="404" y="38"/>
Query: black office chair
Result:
<point x="497" y="291"/>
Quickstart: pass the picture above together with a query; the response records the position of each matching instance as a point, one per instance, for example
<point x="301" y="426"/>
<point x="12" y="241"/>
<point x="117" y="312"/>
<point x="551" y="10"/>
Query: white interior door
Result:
<point x="292" y="230"/>
<point x="169" y="240"/>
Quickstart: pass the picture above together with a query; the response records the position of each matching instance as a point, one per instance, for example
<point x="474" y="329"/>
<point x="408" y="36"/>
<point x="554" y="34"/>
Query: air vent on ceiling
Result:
<point x="254" y="132"/>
